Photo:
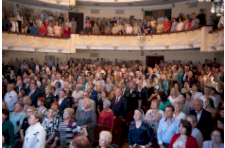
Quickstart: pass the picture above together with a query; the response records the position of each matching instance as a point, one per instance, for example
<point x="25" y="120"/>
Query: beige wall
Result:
<point x="109" y="13"/>
<point x="194" y="56"/>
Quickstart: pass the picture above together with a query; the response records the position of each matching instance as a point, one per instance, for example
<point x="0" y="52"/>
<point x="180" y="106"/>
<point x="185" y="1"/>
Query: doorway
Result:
<point x="79" y="18"/>
<point x="152" y="60"/>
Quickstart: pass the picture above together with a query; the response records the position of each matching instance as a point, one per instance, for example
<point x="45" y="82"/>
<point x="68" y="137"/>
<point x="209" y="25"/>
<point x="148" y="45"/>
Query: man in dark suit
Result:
<point x="37" y="67"/>
<point x="205" y="122"/>
<point x="34" y="93"/>
<point x="27" y="85"/>
<point x="63" y="101"/>
<point x="19" y="86"/>
<point x="119" y="104"/>
<point x="92" y="93"/>
<point x="123" y="88"/>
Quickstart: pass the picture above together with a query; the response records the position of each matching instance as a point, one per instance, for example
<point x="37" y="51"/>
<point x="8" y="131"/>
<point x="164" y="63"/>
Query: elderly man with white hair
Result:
<point x="77" y="94"/>
<point x="10" y="97"/>
<point x="204" y="118"/>
<point x="105" y="139"/>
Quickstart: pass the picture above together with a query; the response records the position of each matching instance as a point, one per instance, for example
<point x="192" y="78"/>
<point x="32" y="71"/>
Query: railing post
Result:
<point x="72" y="43"/>
<point x="204" y="38"/>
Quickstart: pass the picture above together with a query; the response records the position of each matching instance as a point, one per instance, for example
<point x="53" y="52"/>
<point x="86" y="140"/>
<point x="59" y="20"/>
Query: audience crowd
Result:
<point x="47" y="24"/>
<point x="60" y="104"/>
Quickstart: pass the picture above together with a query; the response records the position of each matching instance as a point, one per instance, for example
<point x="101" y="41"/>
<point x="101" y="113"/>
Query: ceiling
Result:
<point x="95" y="3"/>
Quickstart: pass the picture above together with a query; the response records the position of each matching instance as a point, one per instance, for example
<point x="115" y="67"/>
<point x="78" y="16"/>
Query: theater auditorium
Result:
<point x="112" y="73"/>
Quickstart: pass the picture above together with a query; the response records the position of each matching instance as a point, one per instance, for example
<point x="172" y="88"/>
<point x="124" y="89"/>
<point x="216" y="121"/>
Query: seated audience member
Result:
<point x="107" y="116"/>
<point x="187" y="24"/>
<point x="10" y="97"/>
<point x="41" y="108"/>
<point x="26" y="102"/>
<point x="220" y="123"/>
<point x="57" y="29"/>
<point x="196" y="133"/>
<point x="67" y="129"/>
<point x="35" y="133"/>
<point x="123" y="29"/>
<point x="173" y="96"/>
<point x="163" y="102"/>
<point x="195" y="92"/>
<point x="160" y="27"/>
<point x="86" y="120"/>
<point x="178" y="114"/>
<point x="148" y="28"/>
<point x="217" y="137"/>
<point x="14" y="26"/>
<point x="87" y="29"/>
<point x="42" y="30"/>
<point x="7" y="130"/>
<point x="108" y="29"/>
<point x="184" y="138"/>
<point x="115" y="29"/>
<point x="34" y="29"/>
<point x="180" y="25"/>
<point x="25" y="125"/>
<point x="153" y="28"/>
<point x="17" y="118"/>
<point x="129" y="29"/>
<point x="66" y="32"/>
<point x="50" y="124"/>
<point x="189" y="101"/>
<point x="105" y="139"/>
<point x="46" y="23"/>
<point x="194" y="22"/>
<point x="186" y="108"/>
<point x="119" y="104"/>
<point x="140" y="132"/>
<point x="95" y="29"/>
<point x="21" y="94"/>
<point x="203" y="117"/>
<point x="168" y="126"/>
<point x="80" y="142"/>
<point x="174" y="25"/>
<point x="34" y="93"/>
<point x="167" y="25"/>
<point x="50" y="30"/>
<point x="210" y="107"/>
<point x="154" y="115"/>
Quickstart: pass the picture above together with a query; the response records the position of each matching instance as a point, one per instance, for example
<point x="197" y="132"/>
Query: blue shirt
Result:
<point x="34" y="30"/>
<point x="166" y="131"/>
<point x="16" y="119"/>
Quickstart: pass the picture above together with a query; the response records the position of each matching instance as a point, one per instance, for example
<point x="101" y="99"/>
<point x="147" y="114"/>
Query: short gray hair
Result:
<point x="107" y="103"/>
<point x="107" y="136"/>
<point x="199" y="100"/>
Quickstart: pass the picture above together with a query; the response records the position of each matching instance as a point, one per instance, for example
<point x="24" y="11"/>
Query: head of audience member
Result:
<point x="106" y="105"/>
<point x="18" y="107"/>
<point x="35" y="117"/>
<point x="68" y="113"/>
<point x="86" y="103"/>
<point x="209" y="103"/>
<point x="105" y="139"/>
<point x="217" y="136"/>
<point x="169" y="110"/>
<point x="21" y="94"/>
<point x="193" y="120"/>
<point x="80" y="142"/>
<point x="90" y="88"/>
<point x="138" y="114"/>
<point x="41" y="101"/>
<point x="55" y="106"/>
<point x="30" y="111"/>
<point x="174" y="92"/>
<point x="198" y="105"/>
<point x="104" y="95"/>
<point x="154" y="104"/>
<point x="27" y="101"/>
<point x="185" y="128"/>
<point x="4" y="105"/>
<point x="182" y="98"/>
<point x="131" y="85"/>
<point x="62" y="93"/>
<point x="33" y="86"/>
<point x="85" y="94"/>
<point x="178" y="106"/>
<point x="5" y="115"/>
<point x="117" y="92"/>
<point x="10" y="87"/>
<point x="19" y="83"/>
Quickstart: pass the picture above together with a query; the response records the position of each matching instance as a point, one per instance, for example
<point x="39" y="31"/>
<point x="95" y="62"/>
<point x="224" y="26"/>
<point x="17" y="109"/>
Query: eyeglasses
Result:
<point x="213" y="135"/>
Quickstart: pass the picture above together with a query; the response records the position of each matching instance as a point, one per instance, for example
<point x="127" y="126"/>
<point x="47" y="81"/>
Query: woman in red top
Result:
<point x="187" y="24"/>
<point x="42" y="30"/>
<point x="184" y="138"/>
<point x="107" y="116"/>
<point x="167" y="25"/>
<point x="66" y="31"/>
<point x="46" y="23"/>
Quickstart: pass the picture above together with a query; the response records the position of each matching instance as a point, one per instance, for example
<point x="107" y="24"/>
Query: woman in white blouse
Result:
<point x="173" y="96"/>
<point x="216" y="140"/>
<point x="35" y="134"/>
<point x="178" y="106"/>
<point x="180" y="25"/>
<point x="129" y="29"/>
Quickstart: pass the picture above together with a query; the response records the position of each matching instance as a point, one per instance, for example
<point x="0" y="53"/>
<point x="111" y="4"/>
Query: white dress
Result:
<point x="180" y="116"/>
<point x="172" y="101"/>
<point x="35" y="136"/>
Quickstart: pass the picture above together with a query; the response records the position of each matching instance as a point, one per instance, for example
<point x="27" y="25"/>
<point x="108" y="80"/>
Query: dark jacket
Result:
<point x="34" y="96"/>
<point x="121" y="108"/>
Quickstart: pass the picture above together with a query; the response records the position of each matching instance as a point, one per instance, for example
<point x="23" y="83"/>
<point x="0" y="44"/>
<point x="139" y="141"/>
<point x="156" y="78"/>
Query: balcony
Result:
<point x="202" y="38"/>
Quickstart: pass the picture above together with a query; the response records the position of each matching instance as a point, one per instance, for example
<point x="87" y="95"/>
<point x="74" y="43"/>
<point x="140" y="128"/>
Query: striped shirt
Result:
<point x="66" y="133"/>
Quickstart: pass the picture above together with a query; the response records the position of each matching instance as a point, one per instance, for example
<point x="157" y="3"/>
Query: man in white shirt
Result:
<point x="15" y="26"/>
<point x="15" y="10"/>
<point x="58" y="79"/>
<point x="195" y="93"/>
<point x="10" y="97"/>
<point x="39" y="22"/>
<point x="77" y="94"/>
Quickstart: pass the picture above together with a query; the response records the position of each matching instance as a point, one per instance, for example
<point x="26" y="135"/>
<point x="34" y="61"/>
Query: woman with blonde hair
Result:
<point x="178" y="106"/>
<point x="164" y="83"/>
<point x="27" y="102"/>
<point x="105" y="139"/>
<point x="173" y="96"/>
<point x="86" y="120"/>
